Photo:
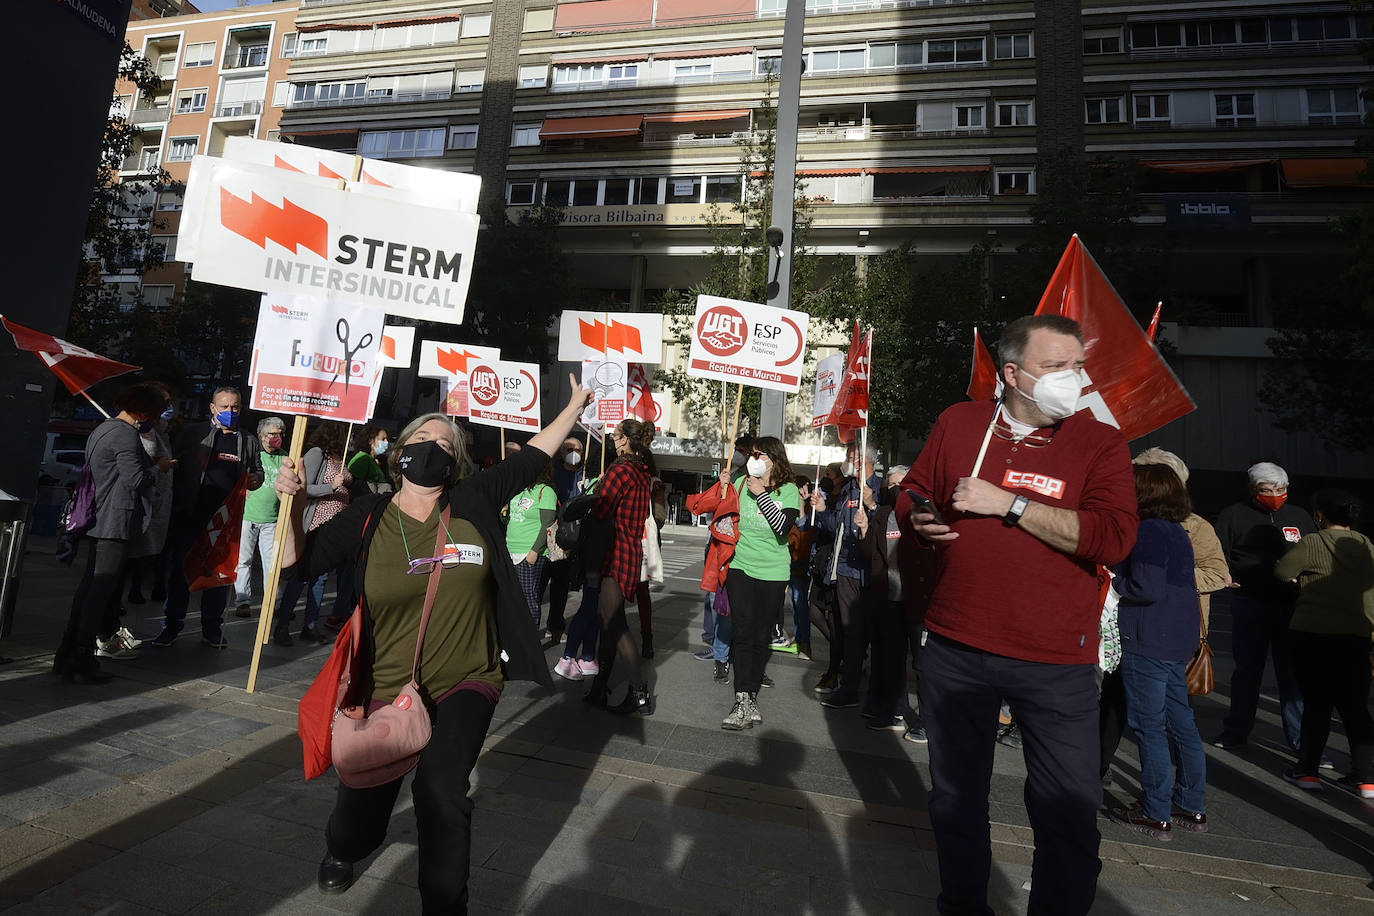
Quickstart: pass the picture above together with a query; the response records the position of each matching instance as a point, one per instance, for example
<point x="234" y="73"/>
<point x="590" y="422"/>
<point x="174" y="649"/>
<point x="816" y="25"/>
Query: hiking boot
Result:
<point x="1135" y="818"/>
<point x="741" y="715"/>
<point x="722" y="672"/>
<point x="754" y="714"/>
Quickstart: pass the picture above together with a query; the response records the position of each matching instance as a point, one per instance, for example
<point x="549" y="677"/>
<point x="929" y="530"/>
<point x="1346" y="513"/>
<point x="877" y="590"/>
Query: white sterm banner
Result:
<point x="736" y="341"/>
<point x="449" y="362"/>
<point x="315" y="357"/>
<point x="504" y="393"/>
<point x="635" y="337"/>
<point x="608" y="379"/>
<point x="828" y="374"/>
<point x="278" y="231"/>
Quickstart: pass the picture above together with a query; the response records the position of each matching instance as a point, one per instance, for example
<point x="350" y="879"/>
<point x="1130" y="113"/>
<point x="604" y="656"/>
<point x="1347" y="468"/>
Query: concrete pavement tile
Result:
<point x="1303" y="879"/>
<point x="210" y="775"/>
<point x="709" y="867"/>
<point x="123" y="817"/>
<point x="758" y="812"/>
<point x="1330" y="904"/>
<point x="514" y="747"/>
<point x="236" y="900"/>
<point x="532" y="831"/>
<point x="66" y="780"/>
<point x="557" y="864"/>
<point x="497" y="892"/>
<point x="655" y="773"/>
<point x="535" y="768"/>
<point x="175" y="845"/>
<point x="539" y="788"/>
<point x="144" y="746"/>
<point x="658" y="886"/>
<point x="397" y="862"/>
<point x="266" y="833"/>
<point x="25" y="840"/>
<point x="1116" y="873"/>
<point x="236" y="862"/>
<point x="1012" y="854"/>
<point x="286" y="803"/>
<point x="219" y="733"/>
<point x="860" y="831"/>
<point x="598" y="822"/>
<point x="1213" y="886"/>
<point x="147" y="884"/>
<point x="27" y="804"/>
<point x="48" y="868"/>
<point x="521" y="805"/>
<point x="550" y="899"/>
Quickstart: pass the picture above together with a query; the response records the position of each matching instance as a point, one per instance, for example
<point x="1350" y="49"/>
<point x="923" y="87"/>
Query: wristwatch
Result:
<point x="1018" y="508"/>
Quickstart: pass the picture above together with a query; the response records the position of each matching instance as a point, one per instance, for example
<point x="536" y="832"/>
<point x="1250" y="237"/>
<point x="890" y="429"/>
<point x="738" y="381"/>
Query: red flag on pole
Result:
<point x="1126" y="382"/>
<point x="850" y="411"/>
<point x="213" y="558"/>
<point x="639" y="400"/>
<point x="77" y="367"/>
<point x="983" y="383"/>
<point x="1153" y="329"/>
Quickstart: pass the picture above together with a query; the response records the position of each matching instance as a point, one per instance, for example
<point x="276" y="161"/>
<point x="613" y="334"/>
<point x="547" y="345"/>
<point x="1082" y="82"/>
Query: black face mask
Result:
<point x="426" y="464"/>
<point x="890" y="496"/>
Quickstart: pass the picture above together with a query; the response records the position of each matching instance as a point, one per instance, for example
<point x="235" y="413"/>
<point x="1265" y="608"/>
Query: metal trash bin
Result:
<point x="14" y="522"/>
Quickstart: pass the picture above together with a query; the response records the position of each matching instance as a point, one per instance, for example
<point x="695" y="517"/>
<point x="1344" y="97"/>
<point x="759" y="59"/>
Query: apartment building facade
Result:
<point x="922" y="121"/>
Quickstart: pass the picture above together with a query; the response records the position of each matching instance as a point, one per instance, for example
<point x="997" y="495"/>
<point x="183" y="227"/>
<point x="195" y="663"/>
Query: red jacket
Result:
<point x="724" y="531"/>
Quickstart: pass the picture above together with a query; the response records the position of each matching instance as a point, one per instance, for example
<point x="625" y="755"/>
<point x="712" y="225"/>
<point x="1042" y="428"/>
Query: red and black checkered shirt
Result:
<point x="623" y="497"/>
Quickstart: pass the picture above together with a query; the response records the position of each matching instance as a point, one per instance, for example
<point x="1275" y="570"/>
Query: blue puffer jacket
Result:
<point x="1159" y="615"/>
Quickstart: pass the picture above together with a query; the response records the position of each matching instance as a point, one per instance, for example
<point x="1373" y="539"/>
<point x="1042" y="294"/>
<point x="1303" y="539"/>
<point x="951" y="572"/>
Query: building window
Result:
<point x="462" y="137"/>
<point x="1146" y="35"/>
<point x="402" y="144"/>
<point x="1007" y="47"/>
<point x="1102" y="41"/>
<point x="470" y="80"/>
<point x="836" y="60"/>
<point x="200" y="54"/>
<point x="1014" y="182"/>
<point x="585" y="192"/>
<point x="648" y="190"/>
<point x="534" y="77"/>
<point x="1014" y="114"/>
<point x="617" y="191"/>
<point x="520" y="193"/>
<point x="557" y="193"/>
<point x="955" y="51"/>
<point x="168" y="246"/>
<point x="326" y="94"/>
<point x="295" y="45"/>
<point x="769" y="9"/>
<point x="121" y="107"/>
<point x="622" y="75"/>
<point x="158" y="298"/>
<point x="181" y="149"/>
<point x="476" y="25"/>
<point x="768" y="64"/>
<point x="1235" y="109"/>
<point x="722" y="189"/>
<point x="191" y="100"/>
<point x="1103" y="110"/>
<point x="684" y="189"/>
<point x="525" y="135"/>
<point x="168" y="200"/>
<point x="691" y="73"/>
<point x="1334" y="106"/>
<point x="1152" y="108"/>
<point x="969" y="117"/>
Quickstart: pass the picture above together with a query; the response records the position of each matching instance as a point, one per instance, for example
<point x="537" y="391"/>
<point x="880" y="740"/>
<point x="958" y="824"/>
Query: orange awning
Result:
<point x="335" y="27"/>
<point x="1326" y="173"/>
<point x="419" y="20"/>
<point x="612" y="59"/>
<point x="702" y="52"/>
<point x="813" y="173"/>
<point x="590" y="128"/>
<point x="1204" y="166"/>
<point x="928" y="169"/>
<point x="682" y="117"/>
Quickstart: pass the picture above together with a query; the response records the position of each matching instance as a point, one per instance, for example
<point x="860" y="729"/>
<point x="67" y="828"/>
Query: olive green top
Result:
<point x="460" y="642"/>
<point x="1335" y="573"/>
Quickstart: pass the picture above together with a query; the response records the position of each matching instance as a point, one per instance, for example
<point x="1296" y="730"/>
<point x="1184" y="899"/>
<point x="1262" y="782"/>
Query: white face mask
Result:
<point x="756" y="467"/>
<point x="1055" y="393"/>
<point x="847" y="469"/>
<point x="572" y="459"/>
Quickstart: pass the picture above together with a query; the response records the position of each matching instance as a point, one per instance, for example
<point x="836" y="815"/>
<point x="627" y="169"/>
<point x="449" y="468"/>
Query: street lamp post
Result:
<point x="781" y="245"/>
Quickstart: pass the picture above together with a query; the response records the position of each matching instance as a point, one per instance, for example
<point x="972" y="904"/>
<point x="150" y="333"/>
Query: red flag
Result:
<point x="639" y="400"/>
<point x="1126" y="382"/>
<point x="850" y="411"/>
<point x="77" y="367"/>
<point x="1153" y="329"/>
<point x="213" y="558"/>
<point x="983" y="381"/>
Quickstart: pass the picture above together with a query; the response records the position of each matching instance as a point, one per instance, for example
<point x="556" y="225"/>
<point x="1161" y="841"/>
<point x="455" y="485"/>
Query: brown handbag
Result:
<point x="385" y="744"/>
<point x="1199" y="671"/>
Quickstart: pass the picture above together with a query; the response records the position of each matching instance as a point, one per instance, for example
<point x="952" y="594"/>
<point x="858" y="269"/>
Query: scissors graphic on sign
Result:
<point x="341" y="330"/>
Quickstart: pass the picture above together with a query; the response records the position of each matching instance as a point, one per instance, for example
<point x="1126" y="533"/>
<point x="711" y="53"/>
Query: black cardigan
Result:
<point x="479" y="499"/>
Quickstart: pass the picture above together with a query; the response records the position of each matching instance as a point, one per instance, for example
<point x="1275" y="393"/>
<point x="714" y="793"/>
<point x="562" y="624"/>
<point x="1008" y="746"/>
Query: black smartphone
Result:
<point x="922" y="503"/>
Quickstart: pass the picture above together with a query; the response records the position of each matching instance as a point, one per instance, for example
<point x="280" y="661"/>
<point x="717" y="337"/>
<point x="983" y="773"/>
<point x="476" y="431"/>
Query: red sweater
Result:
<point x="998" y="588"/>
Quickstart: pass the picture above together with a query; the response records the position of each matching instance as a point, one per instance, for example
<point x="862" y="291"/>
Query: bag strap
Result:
<point x="430" y="589"/>
<point x="1202" y="618"/>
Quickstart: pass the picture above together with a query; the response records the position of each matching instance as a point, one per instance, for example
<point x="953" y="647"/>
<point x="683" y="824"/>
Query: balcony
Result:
<point x="247" y="109"/>
<point x="430" y="95"/>
<point x="153" y="114"/>
<point x="145" y="161"/>
<point x="247" y="56"/>
<point x="1320" y="47"/>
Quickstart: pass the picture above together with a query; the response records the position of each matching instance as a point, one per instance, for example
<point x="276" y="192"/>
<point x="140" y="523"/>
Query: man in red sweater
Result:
<point x="1038" y="495"/>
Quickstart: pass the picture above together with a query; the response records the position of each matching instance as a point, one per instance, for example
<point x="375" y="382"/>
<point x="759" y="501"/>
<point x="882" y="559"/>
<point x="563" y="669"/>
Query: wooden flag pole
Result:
<point x="816" y="483"/>
<point x="734" y="429"/>
<point x="348" y="440"/>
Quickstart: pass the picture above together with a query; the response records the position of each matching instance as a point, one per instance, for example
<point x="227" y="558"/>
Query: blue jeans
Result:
<point x="585" y="627"/>
<point x="1157" y="711"/>
<point x="1260" y="629"/>
<point x="256" y="539"/>
<point x="291" y="594"/>
<point x="725" y="632"/>
<point x="799" y="590"/>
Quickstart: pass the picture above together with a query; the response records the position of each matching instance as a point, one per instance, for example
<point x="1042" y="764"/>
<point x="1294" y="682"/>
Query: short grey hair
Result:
<point x="898" y="471"/>
<point x="267" y="423"/>
<point x="462" y="465"/>
<point x="1266" y="472"/>
<point x="1011" y="346"/>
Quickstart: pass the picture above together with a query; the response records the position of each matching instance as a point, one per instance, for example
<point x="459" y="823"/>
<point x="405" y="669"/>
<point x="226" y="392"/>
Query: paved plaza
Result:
<point x="172" y="790"/>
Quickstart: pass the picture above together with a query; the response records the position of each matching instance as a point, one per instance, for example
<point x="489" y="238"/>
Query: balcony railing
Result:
<point x="255" y="56"/>
<point x="1252" y="49"/>
<point x="153" y="115"/>
<point x="145" y="161"/>
<point x="245" y="109"/>
<point x="429" y="95"/>
<point x="744" y="76"/>
<point x="167" y="69"/>
<point x="837" y="134"/>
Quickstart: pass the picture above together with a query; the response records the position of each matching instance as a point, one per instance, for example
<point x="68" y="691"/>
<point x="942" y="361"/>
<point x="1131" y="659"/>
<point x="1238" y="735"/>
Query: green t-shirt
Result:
<point x="760" y="553"/>
<point x="522" y="530"/>
<point x="260" y="507"/>
<point x="364" y="467"/>
<point x="460" y="642"/>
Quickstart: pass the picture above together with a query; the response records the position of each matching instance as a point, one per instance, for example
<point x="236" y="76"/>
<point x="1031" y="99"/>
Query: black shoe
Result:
<point x="828" y="682"/>
<point x="336" y="875"/>
<point x="766" y="681"/>
<point x="311" y="637"/>
<point x="1009" y="735"/>
<point x="1135" y="818"/>
<point x="83" y="668"/>
<point x="596" y="694"/>
<point x="646" y="649"/>
<point x="282" y="637"/>
<point x="841" y="698"/>
<point x="722" y="672"/>
<point x="638" y="702"/>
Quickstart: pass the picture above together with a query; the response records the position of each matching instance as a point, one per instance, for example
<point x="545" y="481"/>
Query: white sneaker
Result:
<point x="129" y="639"/>
<point x="114" y="647"/>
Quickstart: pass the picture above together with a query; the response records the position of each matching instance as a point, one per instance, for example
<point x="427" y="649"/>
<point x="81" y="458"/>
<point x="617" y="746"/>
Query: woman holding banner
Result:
<point x="769" y="505"/>
<point x="479" y="636"/>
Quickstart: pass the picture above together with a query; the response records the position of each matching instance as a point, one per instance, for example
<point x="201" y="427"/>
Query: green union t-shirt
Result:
<point x="523" y="528"/>
<point x="760" y="553"/>
<point x="260" y="507"/>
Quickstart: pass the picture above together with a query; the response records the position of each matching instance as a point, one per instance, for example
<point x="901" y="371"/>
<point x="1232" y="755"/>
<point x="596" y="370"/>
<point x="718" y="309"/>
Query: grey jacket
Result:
<point x="124" y="477"/>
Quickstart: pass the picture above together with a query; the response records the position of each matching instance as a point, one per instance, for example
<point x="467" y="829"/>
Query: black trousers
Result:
<point x="887" y="629"/>
<point x="95" y="606"/>
<point x="1111" y="718"/>
<point x="443" y="811"/>
<point x="852" y="630"/>
<point x="754" y="607"/>
<point x="558" y="577"/>
<point x="962" y="689"/>
<point x="1333" y="673"/>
